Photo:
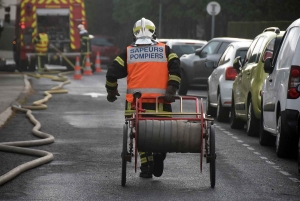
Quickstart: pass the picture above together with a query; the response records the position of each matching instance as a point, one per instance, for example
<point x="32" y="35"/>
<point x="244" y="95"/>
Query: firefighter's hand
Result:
<point x="112" y="95"/>
<point x="170" y="93"/>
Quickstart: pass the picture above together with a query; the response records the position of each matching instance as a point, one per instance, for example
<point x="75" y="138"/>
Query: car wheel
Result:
<point x="234" y="122"/>
<point x="252" y="121"/>
<point x="282" y="145"/>
<point x="209" y="109"/>
<point x="265" y="138"/>
<point x="183" y="87"/>
<point x="222" y="112"/>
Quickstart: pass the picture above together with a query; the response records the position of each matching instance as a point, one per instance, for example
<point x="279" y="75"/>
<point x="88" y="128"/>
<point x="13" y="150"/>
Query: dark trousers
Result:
<point x="41" y="61"/>
<point x="82" y="60"/>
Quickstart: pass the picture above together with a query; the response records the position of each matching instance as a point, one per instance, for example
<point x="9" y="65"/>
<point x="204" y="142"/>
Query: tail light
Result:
<point x="22" y="25"/>
<point x="230" y="73"/>
<point x="294" y="81"/>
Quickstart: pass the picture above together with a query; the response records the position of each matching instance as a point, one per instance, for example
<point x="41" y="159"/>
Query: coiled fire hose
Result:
<point x="18" y="146"/>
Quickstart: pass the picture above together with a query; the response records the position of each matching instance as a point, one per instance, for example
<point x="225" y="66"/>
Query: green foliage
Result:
<point x="183" y="18"/>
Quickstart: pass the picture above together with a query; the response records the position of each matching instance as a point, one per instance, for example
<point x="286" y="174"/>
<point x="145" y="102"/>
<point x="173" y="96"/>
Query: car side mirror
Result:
<point x="210" y="64"/>
<point x="237" y="64"/>
<point x="203" y="54"/>
<point x="268" y="67"/>
<point x="198" y="51"/>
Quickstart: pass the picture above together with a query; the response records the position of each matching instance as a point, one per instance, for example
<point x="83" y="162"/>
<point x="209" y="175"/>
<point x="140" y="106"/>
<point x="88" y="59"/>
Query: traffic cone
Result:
<point x="98" y="63"/>
<point x="87" y="68"/>
<point x="77" y="70"/>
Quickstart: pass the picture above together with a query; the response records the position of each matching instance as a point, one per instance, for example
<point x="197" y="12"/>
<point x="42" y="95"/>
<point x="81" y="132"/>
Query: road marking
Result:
<point x="94" y="95"/>
<point x="270" y="162"/>
<point x="262" y="157"/>
<point x="294" y="179"/>
<point x="285" y="173"/>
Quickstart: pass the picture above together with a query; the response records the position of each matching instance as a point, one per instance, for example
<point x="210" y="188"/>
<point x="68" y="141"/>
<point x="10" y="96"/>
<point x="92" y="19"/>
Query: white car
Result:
<point x="162" y="40"/>
<point x="281" y="96"/>
<point x="185" y="46"/>
<point x="221" y="79"/>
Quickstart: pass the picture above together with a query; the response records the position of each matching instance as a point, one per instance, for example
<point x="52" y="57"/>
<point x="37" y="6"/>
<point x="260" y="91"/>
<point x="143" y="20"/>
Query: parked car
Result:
<point x="219" y="83"/>
<point x="106" y="47"/>
<point x="162" y="40"/>
<point x="246" y="88"/>
<point x="280" y="119"/>
<point x="194" y="71"/>
<point x="7" y="65"/>
<point x="185" y="46"/>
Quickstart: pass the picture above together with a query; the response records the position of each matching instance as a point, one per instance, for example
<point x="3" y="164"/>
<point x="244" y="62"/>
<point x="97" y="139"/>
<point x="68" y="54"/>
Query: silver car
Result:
<point x="194" y="71"/>
<point x="220" y="81"/>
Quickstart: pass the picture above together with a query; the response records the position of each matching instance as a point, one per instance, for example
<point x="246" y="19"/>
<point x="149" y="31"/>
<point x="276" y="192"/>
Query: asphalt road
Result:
<point x="87" y="155"/>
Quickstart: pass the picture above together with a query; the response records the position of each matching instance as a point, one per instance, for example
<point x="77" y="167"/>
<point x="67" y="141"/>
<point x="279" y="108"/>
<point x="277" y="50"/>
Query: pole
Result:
<point x="212" y="25"/>
<point x="159" y="27"/>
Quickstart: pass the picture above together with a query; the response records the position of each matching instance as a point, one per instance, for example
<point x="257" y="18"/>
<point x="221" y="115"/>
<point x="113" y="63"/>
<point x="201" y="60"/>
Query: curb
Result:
<point x="4" y="116"/>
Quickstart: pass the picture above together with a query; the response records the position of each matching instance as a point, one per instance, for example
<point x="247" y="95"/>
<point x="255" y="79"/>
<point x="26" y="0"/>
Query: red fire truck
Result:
<point x="60" y="19"/>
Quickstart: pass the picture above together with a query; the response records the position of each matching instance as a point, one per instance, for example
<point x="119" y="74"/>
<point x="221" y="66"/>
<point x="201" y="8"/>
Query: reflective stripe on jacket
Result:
<point x="147" y="68"/>
<point x="42" y="43"/>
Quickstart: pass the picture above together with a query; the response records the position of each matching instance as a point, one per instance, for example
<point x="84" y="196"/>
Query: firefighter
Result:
<point x="41" y="43"/>
<point x="85" y="43"/>
<point x="153" y="69"/>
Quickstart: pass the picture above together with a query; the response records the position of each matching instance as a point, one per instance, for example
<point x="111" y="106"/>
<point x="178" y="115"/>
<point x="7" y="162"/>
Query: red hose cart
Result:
<point x="149" y="132"/>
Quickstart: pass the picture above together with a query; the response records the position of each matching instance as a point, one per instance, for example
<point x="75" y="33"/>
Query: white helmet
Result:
<point x="143" y="31"/>
<point x="80" y="26"/>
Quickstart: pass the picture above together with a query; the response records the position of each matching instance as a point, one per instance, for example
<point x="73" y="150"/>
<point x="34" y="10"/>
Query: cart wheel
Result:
<point x="212" y="155"/>
<point x="124" y="152"/>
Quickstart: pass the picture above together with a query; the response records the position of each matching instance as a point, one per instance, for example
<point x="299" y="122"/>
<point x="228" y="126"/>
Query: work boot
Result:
<point x="145" y="171"/>
<point x="158" y="166"/>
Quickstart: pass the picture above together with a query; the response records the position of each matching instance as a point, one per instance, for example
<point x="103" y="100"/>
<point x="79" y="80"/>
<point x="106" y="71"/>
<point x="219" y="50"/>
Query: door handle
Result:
<point x="270" y="80"/>
<point x="247" y="73"/>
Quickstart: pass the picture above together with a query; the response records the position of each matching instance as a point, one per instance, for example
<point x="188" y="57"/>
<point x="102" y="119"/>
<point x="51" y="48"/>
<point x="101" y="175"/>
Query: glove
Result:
<point x="111" y="95"/>
<point x="170" y="93"/>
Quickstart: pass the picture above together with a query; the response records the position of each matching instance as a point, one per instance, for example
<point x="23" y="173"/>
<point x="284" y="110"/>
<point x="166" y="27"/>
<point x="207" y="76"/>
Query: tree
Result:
<point x="182" y="18"/>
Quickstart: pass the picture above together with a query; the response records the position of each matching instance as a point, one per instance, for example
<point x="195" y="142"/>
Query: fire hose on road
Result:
<point x="18" y="146"/>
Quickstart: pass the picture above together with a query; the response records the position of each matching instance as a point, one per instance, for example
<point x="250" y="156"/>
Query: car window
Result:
<point x="250" y="50"/>
<point x="226" y="55"/>
<point x="241" y="53"/>
<point x="222" y="48"/>
<point x="210" y="48"/>
<point x="269" y="50"/>
<point x="285" y="59"/>
<point x="256" y="51"/>
<point x="102" y="42"/>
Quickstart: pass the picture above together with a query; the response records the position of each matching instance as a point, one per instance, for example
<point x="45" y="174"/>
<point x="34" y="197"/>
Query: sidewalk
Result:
<point x="13" y="87"/>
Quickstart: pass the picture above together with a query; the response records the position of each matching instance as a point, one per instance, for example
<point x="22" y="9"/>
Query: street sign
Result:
<point x="213" y="8"/>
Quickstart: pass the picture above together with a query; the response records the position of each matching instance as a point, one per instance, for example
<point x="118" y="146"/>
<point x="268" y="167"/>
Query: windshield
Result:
<point x="102" y="42"/>
<point x="185" y="49"/>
